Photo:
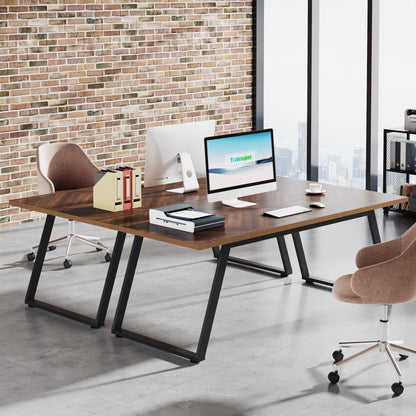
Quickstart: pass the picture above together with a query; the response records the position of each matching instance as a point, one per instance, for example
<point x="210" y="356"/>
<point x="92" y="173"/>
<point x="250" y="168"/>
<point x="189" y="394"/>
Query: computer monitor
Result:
<point x="175" y="153"/>
<point x="239" y="165"/>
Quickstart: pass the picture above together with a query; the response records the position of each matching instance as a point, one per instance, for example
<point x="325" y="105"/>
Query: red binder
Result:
<point x="126" y="187"/>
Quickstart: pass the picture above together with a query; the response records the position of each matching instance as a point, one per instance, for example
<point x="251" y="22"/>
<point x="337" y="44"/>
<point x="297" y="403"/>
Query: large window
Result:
<point x="397" y="90"/>
<point x="342" y="92"/>
<point x="285" y="82"/>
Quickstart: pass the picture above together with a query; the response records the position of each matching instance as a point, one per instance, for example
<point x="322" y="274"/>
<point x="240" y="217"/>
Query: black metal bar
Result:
<point x="160" y="345"/>
<point x="284" y="254"/>
<point x="40" y="257"/>
<point x="372" y="221"/>
<point x="212" y="304"/>
<point x="64" y="312"/>
<point x="109" y="281"/>
<point x="303" y="264"/>
<point x="257" y="266"/>
<point x="107" y="289"/>
<point x="300" y="255"/>
<point x="195" y="357"/>
<point x="287" y="267"/>
<point x="258" y="65"/>
<point x="127" y="283"/>
<point x="368" y="181"/>
<point x="216" y="252"/>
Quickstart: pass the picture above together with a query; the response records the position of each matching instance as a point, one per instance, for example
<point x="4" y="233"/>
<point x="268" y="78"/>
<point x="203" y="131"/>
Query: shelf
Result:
<point x="405" y="172"/>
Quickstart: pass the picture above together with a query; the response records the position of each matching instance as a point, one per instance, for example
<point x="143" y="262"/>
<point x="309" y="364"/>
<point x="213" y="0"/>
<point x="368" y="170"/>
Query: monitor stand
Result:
<point x="237" y="203"/>
<point x="190" y="182"/>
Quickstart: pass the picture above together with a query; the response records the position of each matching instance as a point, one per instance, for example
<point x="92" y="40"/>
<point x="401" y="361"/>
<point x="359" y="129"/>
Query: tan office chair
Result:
<point x="386" y="275"/>
<point x="63" y="166"/>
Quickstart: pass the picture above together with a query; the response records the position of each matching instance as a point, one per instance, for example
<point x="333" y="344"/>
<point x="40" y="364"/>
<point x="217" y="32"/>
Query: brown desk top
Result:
<point x="240" y="223"/>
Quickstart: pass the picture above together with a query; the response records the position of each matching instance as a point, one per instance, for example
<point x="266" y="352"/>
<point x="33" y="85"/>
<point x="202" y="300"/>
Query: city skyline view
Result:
<point x="342" y="83"/>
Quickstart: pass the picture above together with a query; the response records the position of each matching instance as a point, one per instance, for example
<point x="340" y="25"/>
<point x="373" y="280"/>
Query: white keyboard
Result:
<point x="284" y="212"/>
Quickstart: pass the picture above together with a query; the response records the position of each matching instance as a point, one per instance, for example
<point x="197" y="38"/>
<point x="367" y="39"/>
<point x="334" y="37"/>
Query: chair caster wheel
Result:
<point x="107" y="257"/>
<point x="337" y="356"/>
<point x="397" y="388"/>
<point x="333" y="377"/>
<point x="31" y="256"/>
<point x="403" y="357"/>
<point x="67" y="264"/>
<point x="52" y="247"/>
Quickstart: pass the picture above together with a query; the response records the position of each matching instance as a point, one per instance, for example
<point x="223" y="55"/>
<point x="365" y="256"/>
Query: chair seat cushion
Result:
<point x="343" y="292"/>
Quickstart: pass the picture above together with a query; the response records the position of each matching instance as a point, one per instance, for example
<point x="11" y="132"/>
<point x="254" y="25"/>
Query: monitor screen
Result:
<point x="239" y="164"/>
<point x="164" y="143"/>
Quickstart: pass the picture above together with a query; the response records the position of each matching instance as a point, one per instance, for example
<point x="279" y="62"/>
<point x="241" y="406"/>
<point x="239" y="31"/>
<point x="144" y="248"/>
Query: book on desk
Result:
<point x="184" y="217"/>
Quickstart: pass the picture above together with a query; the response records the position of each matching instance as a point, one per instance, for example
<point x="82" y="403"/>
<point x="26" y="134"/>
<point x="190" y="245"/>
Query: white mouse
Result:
<point x="317" y="205"/>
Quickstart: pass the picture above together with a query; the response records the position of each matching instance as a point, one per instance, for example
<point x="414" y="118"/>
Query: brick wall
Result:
<point x="100" y="72"/>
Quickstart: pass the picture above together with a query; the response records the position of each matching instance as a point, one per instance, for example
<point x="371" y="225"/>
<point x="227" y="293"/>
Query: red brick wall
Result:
<point x="100" y="72"/>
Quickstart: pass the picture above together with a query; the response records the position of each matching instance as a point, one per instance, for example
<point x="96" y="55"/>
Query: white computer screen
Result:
<point x="164" y="143"/>
<point x="237" y="162"/>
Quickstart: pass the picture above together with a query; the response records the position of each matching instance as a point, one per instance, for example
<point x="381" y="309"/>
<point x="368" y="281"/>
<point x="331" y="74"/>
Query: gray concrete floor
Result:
<point x="270" y="348"/>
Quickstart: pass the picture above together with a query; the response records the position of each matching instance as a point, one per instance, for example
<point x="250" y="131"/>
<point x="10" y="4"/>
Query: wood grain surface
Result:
<point x="240" y="223"/>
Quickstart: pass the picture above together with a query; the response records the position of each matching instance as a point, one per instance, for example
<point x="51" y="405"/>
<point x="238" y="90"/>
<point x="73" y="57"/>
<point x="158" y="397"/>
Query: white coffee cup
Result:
<point x="315" y="187"/>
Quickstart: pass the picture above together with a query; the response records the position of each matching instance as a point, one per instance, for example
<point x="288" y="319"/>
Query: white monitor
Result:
<point x="175" y="153"/>
<point x="239" y="165"/>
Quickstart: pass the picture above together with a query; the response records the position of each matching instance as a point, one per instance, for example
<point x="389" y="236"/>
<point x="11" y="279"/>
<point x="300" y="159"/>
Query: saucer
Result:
<point x="308" y="191"/>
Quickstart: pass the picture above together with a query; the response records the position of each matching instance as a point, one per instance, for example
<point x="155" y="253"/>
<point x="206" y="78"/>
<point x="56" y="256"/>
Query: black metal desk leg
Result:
<point x="109" y="281"/>
<point x="372" y="221"/>
<point x="127" y="283"/>
<point x="302" y="262"/>
<point x="284" y="255"/>
<point x="287" y="267"/>
<point x="300" y="255"/>
<point x="195" y="357"/>
<point x="212" y="305"/>
<point x="107" y="289"/>
<point x="40" y="257"/>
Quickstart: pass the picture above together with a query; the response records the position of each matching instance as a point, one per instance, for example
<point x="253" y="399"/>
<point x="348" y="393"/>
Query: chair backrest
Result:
<point x="408" y="237"/>
<point x="63" y="166"/>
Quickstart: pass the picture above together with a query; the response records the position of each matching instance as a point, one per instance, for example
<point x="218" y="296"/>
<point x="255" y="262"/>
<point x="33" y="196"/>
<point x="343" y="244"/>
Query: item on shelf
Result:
<point x="411" y="205"/>
<point x="406" y="189"/>
<point x="410" y="119"/>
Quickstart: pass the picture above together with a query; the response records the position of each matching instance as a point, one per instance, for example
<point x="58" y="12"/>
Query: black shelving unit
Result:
<point x="395" y="177"/>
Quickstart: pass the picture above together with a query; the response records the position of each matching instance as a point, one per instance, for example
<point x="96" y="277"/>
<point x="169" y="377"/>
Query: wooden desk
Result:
<point x="242" y="226"/>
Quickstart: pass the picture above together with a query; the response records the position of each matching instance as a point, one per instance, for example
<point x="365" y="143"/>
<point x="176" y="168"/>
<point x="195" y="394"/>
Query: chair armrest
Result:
<point x="388" y="282"/>
<point x="378" y="253"/>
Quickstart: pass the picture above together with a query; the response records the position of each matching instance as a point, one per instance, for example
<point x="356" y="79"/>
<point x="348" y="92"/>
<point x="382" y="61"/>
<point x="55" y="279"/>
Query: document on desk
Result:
<point x="285" y="212"/>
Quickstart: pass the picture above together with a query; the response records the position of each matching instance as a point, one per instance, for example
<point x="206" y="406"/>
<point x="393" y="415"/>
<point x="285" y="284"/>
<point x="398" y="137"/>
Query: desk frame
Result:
<point x="223" y="258"/>
<point x="342" y="204"/>
<point x="106" y="292"/>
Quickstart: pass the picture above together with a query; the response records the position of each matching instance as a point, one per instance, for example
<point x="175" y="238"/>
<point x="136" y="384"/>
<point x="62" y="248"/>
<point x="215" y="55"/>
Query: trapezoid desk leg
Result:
<point x="40" y="257"/>
<point x="287" y="267"/>
<point x="127" y="283"/>
<point x="194" y="357"/>
<point x="109" y="281"/>
<point x="212" y="305"/>
<point x="372" y="222"/>
<point x="303" y="264"/>
<point x="107" y="289"/>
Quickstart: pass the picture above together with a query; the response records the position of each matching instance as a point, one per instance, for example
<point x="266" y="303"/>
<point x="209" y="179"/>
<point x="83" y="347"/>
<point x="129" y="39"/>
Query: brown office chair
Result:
<point x="386" y="275"/>
<point x="63" y="166"/>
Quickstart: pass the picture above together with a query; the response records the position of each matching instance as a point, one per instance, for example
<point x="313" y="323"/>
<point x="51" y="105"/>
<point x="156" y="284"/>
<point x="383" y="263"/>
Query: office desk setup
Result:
<point x="242" y="226"/>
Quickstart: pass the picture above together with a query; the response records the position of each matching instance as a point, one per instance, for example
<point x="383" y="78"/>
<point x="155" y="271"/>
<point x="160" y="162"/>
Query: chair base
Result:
<point x="70" y="237"/>
<point x="382" y="345"/>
